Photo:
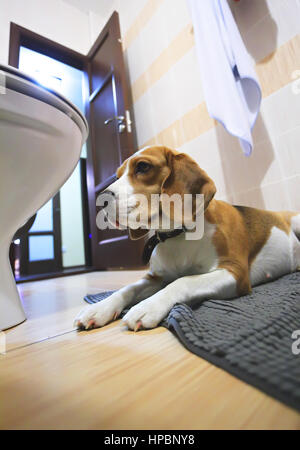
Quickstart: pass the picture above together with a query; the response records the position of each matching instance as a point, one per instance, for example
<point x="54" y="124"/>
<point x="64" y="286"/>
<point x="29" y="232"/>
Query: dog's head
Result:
<point x="156" y="170"/>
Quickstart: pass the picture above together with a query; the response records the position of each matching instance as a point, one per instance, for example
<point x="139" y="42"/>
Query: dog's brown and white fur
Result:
<point x="241" y="247"/>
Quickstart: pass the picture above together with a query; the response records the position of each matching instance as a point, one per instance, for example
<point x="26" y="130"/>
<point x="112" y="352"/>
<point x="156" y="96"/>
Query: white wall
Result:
<point x="53" y="19"/>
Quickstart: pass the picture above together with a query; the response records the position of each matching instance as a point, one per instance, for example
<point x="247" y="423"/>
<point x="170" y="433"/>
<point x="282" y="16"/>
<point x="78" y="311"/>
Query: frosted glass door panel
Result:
<point x="44" y="219"/>
<point x="41" y="248"/>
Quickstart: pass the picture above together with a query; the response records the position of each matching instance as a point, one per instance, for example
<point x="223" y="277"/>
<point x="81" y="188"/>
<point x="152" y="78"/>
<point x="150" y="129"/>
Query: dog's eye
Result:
<point x="142" y="167"/>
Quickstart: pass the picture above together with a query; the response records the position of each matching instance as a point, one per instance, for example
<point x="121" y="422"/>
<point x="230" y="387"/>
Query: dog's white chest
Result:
<point x="177" y="257"/>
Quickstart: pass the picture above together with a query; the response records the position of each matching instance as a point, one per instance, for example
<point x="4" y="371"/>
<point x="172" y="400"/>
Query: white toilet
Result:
<point x="41" y="136"/>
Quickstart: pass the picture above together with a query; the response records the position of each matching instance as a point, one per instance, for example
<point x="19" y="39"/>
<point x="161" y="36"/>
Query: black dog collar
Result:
<point x="156" y="239"/>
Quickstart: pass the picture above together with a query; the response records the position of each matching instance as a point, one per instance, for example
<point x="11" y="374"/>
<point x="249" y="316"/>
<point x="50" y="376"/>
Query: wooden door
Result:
<point x="111" y="141"/>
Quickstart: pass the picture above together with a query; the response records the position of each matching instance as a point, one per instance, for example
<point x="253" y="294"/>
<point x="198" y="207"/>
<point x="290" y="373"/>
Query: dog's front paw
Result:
<point x="99" y="314"/>
<point x="147" y="314"/>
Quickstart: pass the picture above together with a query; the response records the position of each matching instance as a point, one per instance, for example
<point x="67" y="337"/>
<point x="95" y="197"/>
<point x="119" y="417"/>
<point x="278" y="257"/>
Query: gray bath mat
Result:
<point x="250" y="337"/>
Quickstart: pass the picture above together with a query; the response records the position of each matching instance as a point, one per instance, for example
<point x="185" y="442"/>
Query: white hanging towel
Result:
<point x="230" y="85"/>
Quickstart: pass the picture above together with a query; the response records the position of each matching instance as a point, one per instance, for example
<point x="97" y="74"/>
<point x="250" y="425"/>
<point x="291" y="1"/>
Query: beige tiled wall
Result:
<point x="169" y="104"/>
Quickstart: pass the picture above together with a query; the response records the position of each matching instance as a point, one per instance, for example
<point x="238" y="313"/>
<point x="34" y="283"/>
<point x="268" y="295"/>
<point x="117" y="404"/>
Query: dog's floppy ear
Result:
<point x="139" y="233"/>
<point x="186" y="177"/>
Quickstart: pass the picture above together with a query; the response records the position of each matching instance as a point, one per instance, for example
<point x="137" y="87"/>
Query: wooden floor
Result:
<point x="53" y="377"/>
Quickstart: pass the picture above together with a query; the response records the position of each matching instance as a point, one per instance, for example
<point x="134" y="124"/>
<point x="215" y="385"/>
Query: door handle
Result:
<point x="121" y="124"/>
<point x="120" y="119"/>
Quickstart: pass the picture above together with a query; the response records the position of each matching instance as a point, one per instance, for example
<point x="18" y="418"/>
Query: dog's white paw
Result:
<point x="100" y="314"/>
<point x="146" y="314"/>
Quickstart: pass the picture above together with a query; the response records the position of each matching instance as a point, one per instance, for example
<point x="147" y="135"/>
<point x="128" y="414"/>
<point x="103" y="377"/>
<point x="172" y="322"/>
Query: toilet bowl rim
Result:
<point x="53" y="97"/>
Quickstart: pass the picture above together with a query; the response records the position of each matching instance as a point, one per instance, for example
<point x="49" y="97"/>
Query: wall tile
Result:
<point x="266" y="25"/>
<point x="262" y="167"/>
<point x="137" y="59"/>
<point x="287" y="148"/>
<point x="176" y="16"/>
<point x="204" y="149"/>
<point x="252" y="198"/>
<point x="281" y="111"/>
<point x="165" y="107"/>
<point x="265" y="32"/>
<point x="144" y="119"/>
<point x="128" y="12"/>
<point x="154" y="37"/>
<point x="293" y="189"/>
<point x="272" y="197"/>
<point x="250" y="12"/>
<point x="164" y="63"/>
<point x="188" y="90"/>
<point x="141" y="20"/>
<point x="276" y="196"/>
<point x="287" y="20"/>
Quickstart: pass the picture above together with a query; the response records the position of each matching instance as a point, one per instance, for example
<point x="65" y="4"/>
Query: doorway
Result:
<point x="105" y="98"/>
<point x="56" y="239"/>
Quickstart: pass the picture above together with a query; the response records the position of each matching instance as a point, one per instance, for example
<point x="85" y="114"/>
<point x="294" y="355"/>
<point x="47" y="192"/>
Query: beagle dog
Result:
<point x="240" y="247"/>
